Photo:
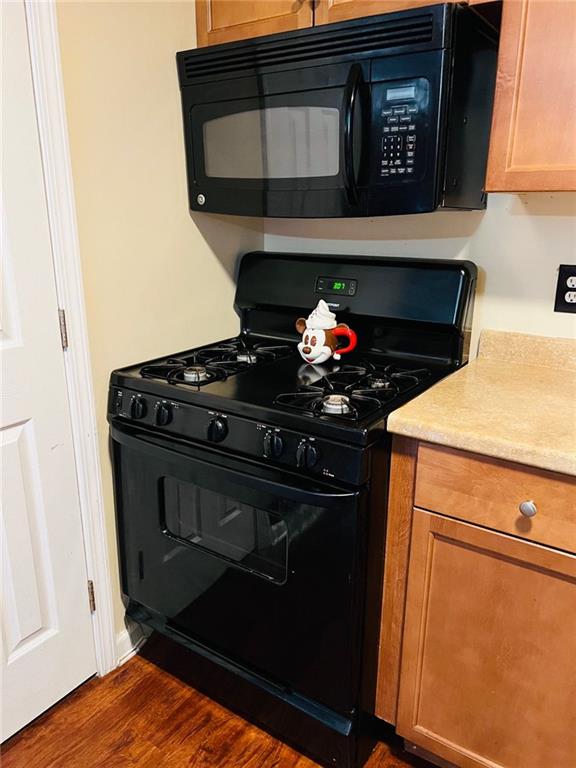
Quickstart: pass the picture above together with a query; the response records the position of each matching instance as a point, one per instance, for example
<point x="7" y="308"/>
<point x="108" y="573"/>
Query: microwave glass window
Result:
<point x="274" y="143"/>
<point x="407" y="93"/>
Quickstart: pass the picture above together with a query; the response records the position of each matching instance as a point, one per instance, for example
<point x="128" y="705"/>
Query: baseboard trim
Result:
<point x="413" y="749"/>
<point x="128" y="644"/>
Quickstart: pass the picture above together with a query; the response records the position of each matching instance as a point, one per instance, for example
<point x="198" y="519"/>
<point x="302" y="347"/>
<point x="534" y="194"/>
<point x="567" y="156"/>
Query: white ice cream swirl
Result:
<point x="321" y="317"/>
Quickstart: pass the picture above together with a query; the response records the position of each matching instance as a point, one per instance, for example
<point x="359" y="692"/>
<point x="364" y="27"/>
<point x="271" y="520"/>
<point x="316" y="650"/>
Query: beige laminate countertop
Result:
<point x="516" y="401"/>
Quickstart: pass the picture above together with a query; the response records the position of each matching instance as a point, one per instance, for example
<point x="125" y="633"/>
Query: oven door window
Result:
<point x="248" y="537"/>
<point x="287" y="141"/>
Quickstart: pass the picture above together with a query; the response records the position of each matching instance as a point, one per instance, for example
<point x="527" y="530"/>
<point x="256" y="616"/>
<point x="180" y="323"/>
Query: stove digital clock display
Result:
<point x="336" y="286"/>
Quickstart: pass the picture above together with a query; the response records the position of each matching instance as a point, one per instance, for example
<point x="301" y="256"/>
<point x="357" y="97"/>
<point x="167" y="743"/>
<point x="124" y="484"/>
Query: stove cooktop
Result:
<point x="267" y="379"/>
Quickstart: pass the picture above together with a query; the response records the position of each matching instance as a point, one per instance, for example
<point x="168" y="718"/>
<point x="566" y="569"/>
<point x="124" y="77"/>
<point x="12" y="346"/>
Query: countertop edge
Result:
<point x="561" y="463"/>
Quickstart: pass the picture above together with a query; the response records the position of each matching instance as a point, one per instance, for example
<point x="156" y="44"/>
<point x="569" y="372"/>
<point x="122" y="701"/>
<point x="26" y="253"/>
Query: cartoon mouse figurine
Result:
<point x="320" y="334"/>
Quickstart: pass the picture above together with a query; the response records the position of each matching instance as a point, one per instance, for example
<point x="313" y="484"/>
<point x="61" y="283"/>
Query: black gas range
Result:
<point x="250" y="486"/>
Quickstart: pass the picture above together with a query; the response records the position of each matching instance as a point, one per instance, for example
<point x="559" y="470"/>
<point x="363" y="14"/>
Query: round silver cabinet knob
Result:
<point x="200" y="199"/>
<point x="528" y="508"/>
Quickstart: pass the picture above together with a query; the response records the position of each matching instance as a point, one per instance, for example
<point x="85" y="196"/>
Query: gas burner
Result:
<point x="183" y="371"/>
<point x="195" y="374"/>
<point x="246" y="356"/>
<point x="321" y="400"/>
<point x="238" y="353"/>
<point x="336" y="404"/>
<point x="379" y="382"/>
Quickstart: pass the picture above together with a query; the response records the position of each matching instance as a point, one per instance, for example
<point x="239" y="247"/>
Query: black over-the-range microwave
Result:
<point x="377" y="116"/>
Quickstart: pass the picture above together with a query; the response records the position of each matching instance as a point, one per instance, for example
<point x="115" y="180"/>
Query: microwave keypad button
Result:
<point x="405" y="119"/>
<point x="392" y="120"/>
<point x="403" y="127"/>
<point x="413" y="110"/>
<point x="401" y="170"/>
<point x="394" y="129"/>
<point x="409" y="154"/>
<point x="410" y="161"/>
<point x="409" y="170"/>
<point x="386" y="112"/>
<point x="411" y="138"/>
<point x="386" y="129"/>
<point x="412" y="127"/>
<point x="397" y="162"/>
<point x="392" y="170"/>
<point x="399" y="110"/>
<point x="410" y="145"/>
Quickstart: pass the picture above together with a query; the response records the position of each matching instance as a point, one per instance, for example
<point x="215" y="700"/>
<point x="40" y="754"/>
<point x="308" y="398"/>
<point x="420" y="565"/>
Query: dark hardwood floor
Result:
<point x="142" y="717"/>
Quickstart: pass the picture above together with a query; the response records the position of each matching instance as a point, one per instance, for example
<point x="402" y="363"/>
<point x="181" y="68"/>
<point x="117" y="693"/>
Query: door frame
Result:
<point x="44" y="48"/>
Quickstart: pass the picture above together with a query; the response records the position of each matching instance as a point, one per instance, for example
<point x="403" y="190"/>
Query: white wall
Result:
<point x="156" y="280"/>
<point x="517" y="243"/>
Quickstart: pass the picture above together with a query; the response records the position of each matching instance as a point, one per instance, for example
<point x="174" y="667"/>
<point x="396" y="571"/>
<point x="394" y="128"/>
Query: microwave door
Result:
<point x="290" y="155"/>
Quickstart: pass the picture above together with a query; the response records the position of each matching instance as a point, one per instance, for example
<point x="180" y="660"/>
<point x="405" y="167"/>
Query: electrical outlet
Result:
<point x="566" y="289"/>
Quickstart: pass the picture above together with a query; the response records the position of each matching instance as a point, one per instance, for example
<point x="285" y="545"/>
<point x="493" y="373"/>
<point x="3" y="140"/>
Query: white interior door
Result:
<point x="47" y="639"/>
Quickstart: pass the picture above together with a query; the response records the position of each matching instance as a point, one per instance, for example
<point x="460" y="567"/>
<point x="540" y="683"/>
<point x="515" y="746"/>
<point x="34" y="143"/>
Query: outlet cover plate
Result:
<point x="566" y="289"/>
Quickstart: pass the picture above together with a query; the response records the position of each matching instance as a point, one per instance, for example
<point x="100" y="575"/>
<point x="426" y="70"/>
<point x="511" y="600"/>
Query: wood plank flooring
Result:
<point x="142" y="717"/>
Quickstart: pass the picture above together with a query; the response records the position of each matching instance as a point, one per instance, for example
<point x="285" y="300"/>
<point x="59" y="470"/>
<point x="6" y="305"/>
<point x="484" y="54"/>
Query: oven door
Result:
<point x="262" y="567"/>
<point x="278" y="145"/>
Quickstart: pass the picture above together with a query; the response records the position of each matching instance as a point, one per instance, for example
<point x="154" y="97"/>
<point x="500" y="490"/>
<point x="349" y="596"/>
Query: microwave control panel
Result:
<point x="401" y="124"/>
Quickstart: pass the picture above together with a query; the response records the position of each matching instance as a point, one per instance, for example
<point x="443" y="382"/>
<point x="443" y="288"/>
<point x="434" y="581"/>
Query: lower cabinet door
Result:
<point x="489" y="652"/>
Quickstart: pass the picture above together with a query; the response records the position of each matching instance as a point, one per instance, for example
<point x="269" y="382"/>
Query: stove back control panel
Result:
<point x="239" y="435"/>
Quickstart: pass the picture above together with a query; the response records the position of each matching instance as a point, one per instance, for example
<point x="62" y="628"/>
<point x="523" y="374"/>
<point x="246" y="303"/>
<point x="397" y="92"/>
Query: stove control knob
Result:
<point x="138" y="407"/>
<point x="217" y="430"/>
<point x="306" y="455"/>
<point x="273" y="445"/>
<point x="163" y="414"/>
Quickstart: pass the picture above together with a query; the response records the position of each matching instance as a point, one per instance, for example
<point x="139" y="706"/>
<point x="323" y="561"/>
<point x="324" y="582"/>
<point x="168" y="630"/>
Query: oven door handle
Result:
<point x="352" y="95"/>
<point x="298" y="489"/>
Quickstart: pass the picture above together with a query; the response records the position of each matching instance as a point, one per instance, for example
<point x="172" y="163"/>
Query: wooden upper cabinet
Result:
<point x="221" y="21"/>
<point x="533" y="141"/>
<point x="329" y="11"/>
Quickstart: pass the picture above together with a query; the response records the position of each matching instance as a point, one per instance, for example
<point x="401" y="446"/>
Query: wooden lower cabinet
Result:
<point x="488" y="675"/>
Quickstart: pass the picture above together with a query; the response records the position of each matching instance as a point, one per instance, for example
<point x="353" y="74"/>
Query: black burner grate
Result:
<point x="365" y="389"/>
<point x="215" y="363"/>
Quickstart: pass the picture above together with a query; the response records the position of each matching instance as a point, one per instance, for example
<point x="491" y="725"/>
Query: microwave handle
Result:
<point x="351" y="99"/>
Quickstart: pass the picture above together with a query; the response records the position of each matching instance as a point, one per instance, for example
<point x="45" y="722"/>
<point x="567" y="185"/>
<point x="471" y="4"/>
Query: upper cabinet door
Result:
<point x="220" y="21"/>
<point x="328" y="11"/>
<point x="533" y="142"/>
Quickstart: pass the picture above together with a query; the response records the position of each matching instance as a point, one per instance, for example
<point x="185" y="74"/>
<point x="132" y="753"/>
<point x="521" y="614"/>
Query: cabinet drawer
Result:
<point x="489" y="492"/>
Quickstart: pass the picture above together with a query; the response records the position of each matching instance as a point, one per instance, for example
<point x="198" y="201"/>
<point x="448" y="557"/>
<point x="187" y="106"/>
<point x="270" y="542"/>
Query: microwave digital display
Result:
<point x="406" y="93"/>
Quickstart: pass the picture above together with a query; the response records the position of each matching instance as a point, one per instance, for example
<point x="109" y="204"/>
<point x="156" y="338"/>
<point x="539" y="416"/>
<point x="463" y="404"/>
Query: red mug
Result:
<point x="343" y="330"/>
